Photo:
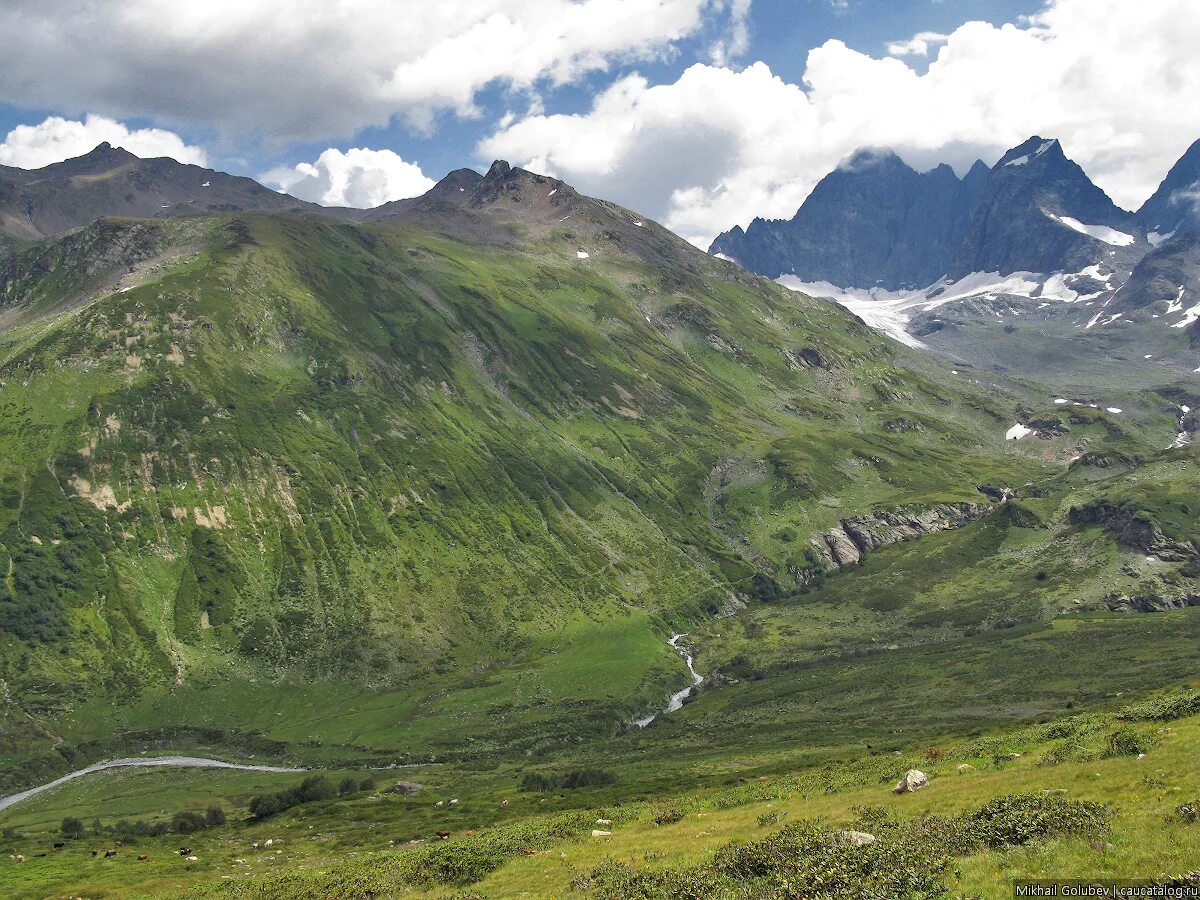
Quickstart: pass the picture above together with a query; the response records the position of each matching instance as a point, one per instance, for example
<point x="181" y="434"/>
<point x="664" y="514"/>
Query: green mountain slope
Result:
<point x="291" y="448"/>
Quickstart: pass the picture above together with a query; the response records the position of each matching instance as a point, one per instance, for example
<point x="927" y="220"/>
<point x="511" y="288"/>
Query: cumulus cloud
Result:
<point x="359" y="177"/>
<point x="56" y="139"/>
<point x="1117" y="83"/>
<point x="312" y="68"/>
<point x="918" y="45"/>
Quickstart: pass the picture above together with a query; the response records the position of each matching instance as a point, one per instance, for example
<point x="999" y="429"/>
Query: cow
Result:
<point x="193" y="859"/>
<point x="444" y="835"/>
<point x="604" y="821"/>
<point x="470" y="832"/>
<point x="503" y="804"/>
<point x="142" y="857"/>
<point x="597" y="833"/>
<point x="184" y="851"/>
<point x="254" y="846"/>
<point x="109" y="854"/>
<point x="454" y="802"/>
<point x="59" y="845"/>
<point x="20" y="858"/>
<point x="440" y="804"/>
<point x="95" y="853"/>
<point x="268" y="842"/>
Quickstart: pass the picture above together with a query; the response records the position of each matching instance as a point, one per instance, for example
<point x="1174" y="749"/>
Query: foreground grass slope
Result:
<point x="1107" y="794"/>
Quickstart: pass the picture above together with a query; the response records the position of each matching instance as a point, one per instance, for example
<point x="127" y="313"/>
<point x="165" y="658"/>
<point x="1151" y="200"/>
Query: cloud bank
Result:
<point x="359" y="177"/>
<point x="1118" y="83"/>
<point x="312" y="69"/>
<point x="56" y="139"/>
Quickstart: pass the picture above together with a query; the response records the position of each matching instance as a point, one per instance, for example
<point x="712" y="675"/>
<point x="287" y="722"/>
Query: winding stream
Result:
<point x="189" y="762"/>
<point x="678" y="698"/>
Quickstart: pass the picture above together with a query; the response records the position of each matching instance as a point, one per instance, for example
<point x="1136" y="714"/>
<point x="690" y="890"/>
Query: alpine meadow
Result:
<point x="812" y="521"/>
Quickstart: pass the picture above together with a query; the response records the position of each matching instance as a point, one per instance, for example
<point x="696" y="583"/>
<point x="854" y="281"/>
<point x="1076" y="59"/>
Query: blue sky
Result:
<point x="699" y="113"/>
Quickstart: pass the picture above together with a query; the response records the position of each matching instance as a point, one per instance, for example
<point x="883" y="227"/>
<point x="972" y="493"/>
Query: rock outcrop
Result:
<point x="1134" y="528"/>
<point x="847" y="544"/>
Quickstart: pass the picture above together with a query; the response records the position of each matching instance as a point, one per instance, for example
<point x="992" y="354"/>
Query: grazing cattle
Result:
<point x="597" y="833"/>
<point x="470" y="832"/>
<point x="268" y="842"/>
<point x="604" y="821"/>
<point x="454" y="802"/>
<point x="20" y="858"/>
<point x="142" y="857"/>
<point x="109" y="854"/>
<point x="440" y="804"/>
<point x="444" y="835"/>
<point x="503" y="804"/>
<point x="184" y="851"/>
<point x="58" y="846"/>
<point x="254" y="846"/>
<point x="239" y="862"/>
<point x="95" y="853"/>
<point x="528" y="851"/>
<point x="193" y="859"/>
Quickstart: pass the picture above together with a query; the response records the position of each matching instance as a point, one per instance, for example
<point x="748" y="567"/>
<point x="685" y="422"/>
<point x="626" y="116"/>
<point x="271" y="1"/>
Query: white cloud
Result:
<point x="313" y="68"/>
<point x="1117" y="82"/>
<point x="359" y="177"/>
<point x="918" y="45"/>
<point x="56" y="139"/>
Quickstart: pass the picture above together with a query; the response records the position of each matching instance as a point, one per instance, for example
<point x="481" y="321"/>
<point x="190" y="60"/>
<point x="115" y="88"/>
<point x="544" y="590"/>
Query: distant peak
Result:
<point x="870" y="157"/>
<point x="1034" y="148"/>
<point x="500" y="168"/>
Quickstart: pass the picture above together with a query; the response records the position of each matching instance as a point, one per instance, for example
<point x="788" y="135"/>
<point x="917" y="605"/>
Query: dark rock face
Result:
<point x="1167" y="276"/>
<point x="1133" y="528"/>
<point x="850" y="542"/>
<point x="1149" y="603"/>
<point x="872" y="221"/>
<point x="1175" y="207"/>
<point x="1013" y="228"/>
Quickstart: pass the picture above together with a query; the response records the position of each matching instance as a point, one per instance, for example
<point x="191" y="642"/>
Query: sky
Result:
<point x="701" y="114"/>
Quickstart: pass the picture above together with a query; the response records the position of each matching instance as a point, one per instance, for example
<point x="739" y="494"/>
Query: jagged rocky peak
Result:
<point x="1175" y="207"/>
<point x="872" y="221"/>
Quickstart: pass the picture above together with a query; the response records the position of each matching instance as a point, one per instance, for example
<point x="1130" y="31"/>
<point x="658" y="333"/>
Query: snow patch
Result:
<point x="1155" y="238"/>
<point x="1116" y="410"/>
<point x="206" y="184"/>
<point x="552" y="193"/>
<point x="1019" y="161"/>
<point x="1017" y="432"/>
<point x="724" y="257"/>
<point x="581" y="254"/>
<point x="1099" y="232"/>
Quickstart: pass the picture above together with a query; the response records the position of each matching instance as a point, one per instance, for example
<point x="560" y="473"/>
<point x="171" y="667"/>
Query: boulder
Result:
<point x="913" y="780"/>
<point x="408" y="788"/>
<point x="853" y="838"/>
<point x="964" y="768"/>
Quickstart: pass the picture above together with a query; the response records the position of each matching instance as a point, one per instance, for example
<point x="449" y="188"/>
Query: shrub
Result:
<point x="578" y="778"/>
<point x="1018" y="819"/>
<point x="214" y="817"/>
<point x="667" y="816"/>
<point x="1188" y="812"/>
<point x="1163" y="709"/>
<point x="1127" y="741"/>
<point x="72" y="828"/>
<point x="311" y="790"/>
<point x="768" y="818"/>
<point x="187" y="822"/>
<point x="348" y="787"/>
<point x="367" y="784"/>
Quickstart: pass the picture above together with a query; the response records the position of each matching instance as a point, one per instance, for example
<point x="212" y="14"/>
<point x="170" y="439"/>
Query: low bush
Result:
<point x="578" y="778"/>
<point x="310" y="790"/>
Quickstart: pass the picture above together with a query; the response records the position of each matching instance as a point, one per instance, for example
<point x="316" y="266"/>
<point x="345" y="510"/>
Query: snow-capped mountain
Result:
<point x="1026" y="252"/>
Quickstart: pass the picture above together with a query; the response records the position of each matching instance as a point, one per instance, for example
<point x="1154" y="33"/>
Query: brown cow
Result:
<point x="142" y="857"/>
<point x="109" y="854"/>
<point x="444" y="835"/>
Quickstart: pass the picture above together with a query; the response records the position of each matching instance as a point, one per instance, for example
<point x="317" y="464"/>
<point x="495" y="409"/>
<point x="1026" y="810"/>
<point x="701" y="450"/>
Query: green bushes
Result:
<point x="73" y="828"/>
<point x="1018" y="819"/>
<point x="1127" y="741"/>
<point x="1163" y="709"/>
<point x="310" y="790"/>
<point x="578" y="778"/>
<point x="807" y="859"/>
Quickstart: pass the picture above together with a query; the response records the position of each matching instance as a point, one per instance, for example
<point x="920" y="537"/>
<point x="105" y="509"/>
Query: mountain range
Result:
<point x="971" y="266"/>
<point x="514" y="488"/>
